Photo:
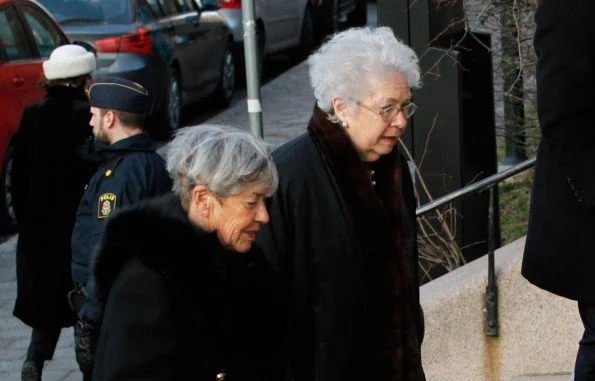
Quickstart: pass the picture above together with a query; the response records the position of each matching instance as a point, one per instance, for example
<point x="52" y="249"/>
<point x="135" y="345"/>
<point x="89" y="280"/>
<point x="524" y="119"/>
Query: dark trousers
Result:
<point x="43" y="344"/>
<point x="584" y="369"/>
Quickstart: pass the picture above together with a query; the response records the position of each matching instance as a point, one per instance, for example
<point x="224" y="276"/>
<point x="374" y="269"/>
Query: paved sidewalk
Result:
<point x="287" y="102"/>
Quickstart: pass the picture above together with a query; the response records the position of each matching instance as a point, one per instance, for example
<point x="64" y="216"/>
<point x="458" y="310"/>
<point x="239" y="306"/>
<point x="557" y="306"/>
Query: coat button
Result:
<point x="220" y="377"/>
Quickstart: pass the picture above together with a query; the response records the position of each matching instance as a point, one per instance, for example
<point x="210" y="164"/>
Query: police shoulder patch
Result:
<point x="106" y="204"/>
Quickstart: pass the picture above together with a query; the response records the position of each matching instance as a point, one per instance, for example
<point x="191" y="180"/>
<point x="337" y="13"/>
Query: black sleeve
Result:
<point x="137" y="339"/>
<point x="257" y="353"/>
<point x="411" y="205"/>
<point x="286" y="243"/>
<point x="566" y="90"/>
<point x="275" y="238"/>
<point x="23" y="146"/>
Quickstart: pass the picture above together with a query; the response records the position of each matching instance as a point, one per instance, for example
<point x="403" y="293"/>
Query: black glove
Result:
<point x="85" y="341"/>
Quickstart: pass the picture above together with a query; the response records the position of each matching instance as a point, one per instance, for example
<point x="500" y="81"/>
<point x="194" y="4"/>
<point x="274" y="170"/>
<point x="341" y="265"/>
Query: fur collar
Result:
<point x="377" y="216"/>
<point x="373" y="210"/>
<point x="160" y="235"/>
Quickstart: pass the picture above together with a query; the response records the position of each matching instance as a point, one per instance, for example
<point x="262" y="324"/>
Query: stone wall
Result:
<point x="539" y="331"/>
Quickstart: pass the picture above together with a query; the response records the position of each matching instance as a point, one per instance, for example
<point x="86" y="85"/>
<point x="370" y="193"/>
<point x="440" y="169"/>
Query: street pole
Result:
<point x="252" y="75"/>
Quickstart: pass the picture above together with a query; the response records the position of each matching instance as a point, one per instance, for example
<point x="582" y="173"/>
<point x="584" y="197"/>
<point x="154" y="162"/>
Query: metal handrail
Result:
<point x="491" y="296"/>
<point x="478" y="186"/>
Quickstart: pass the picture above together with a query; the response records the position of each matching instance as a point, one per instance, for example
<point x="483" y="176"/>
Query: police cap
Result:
<point x="118" y="94"/>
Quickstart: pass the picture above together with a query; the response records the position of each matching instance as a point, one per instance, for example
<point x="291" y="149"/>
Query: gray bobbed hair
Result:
<point x="345" y="64"/>
<point x="224" y="159"/>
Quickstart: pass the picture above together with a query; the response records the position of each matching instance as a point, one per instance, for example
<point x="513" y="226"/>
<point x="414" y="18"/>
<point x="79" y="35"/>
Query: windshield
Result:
<point x="89" y="11"/>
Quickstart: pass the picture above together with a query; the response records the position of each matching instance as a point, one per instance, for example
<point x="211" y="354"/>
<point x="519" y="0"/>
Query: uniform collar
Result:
<point x="141" y="142"/>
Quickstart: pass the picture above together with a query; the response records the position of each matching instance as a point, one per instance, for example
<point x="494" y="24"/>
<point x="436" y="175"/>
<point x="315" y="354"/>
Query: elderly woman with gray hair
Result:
<point x="177" y="274"/>
<point x="342" y="233"/>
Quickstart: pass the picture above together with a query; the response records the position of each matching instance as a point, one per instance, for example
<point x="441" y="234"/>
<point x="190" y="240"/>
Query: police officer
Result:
<point x="131" y="170"/>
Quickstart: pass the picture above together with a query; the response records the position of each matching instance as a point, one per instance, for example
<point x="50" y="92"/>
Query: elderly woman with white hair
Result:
<point x="342" y="232"/>
<point x="177" y="273"/>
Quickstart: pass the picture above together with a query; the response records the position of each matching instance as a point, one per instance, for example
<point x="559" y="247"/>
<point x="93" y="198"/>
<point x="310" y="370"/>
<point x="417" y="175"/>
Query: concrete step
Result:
<point x="544" y="377"/>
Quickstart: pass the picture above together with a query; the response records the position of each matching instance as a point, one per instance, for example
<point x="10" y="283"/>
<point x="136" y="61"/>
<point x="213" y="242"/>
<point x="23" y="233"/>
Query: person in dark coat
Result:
<point x="559" y="248"/>
<point x="342" y="233"/>
<point x="130" y="171"/>
<point x="177" y="274"/>
<point x="47" y="171"/>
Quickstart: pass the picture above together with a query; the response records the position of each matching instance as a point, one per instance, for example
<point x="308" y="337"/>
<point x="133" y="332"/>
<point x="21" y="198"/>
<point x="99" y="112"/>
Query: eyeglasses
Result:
<point x="388" y="113"/>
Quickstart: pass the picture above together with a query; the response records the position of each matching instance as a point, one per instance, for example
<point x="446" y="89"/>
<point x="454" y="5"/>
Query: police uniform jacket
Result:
<point x="131" y="170"/>
<point x="343" y="250"/>
<point x="178" y="306"/>
<point x="48" y="180"/>
<point x="560" y="246"/>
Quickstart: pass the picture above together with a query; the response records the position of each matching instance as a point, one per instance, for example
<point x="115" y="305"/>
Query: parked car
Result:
<point x="289" y="24"/>
<point x="28" y="34"/>
<point x="330" y="14"/>
<point x="178" y="49"/>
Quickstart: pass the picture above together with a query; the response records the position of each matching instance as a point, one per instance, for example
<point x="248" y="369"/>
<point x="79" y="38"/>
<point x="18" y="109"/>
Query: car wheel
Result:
<point x="326" y="23"/>
<point x="260" y="40"/>
<point x="170" y="112"/>
<point x="306" y="36"/>
<point x="8" y="219"/>
<point x="358" y="16"/>
<point x="334" y="21"/>
<point x="227" y="76"/>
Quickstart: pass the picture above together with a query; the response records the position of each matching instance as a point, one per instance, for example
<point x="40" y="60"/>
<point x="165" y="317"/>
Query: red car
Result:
<point x="28" y="34"/>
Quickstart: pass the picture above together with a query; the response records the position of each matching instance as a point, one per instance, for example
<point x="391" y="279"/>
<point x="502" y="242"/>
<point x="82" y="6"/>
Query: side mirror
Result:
<point x="88" y="47"/>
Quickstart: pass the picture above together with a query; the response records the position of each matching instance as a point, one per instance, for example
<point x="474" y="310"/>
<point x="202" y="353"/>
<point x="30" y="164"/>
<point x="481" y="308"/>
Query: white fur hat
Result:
<point x="68" y="61"/>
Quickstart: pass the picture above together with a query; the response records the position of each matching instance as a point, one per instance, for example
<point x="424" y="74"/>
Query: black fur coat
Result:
<point x="177" y="305"/>
<point x="48" y="180"/>
<point x="344" y="253"/>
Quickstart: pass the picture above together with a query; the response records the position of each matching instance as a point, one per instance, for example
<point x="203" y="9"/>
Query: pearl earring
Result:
<point x="344" y="124"/>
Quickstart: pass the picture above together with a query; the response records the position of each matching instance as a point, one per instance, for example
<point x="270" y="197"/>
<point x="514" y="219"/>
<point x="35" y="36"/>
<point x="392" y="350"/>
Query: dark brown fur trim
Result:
<point x="376" y="215"/>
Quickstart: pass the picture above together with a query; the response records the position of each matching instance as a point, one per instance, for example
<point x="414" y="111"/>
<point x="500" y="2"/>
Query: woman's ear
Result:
<point x="200" y="198"/>
<point x="340" y="107"/>
<point x="200" y="208"/>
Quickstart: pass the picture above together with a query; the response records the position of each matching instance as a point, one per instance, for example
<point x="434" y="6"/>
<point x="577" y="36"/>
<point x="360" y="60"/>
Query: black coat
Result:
<point x="177" y="305"/>
<point x="48" y="180"/>
<point x="330" y="240"/>
<point x="560" y="247"/>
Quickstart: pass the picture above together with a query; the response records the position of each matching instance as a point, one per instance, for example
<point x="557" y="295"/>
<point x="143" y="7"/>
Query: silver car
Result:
<point x="286" y="24"/>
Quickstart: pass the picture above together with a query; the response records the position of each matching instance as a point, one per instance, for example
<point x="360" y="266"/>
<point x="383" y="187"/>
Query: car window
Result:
<point x="155" y="7"/>
<point x="169" y="7"/>
<point x="46" y="35"/>
<point x="186" y="5"/>
<point x="89" y="11"/>
<point x="13" y="38"/>
<point x="183" y="5"/>
<point x="148" y="10"/>
<point x="207" y="4"/>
